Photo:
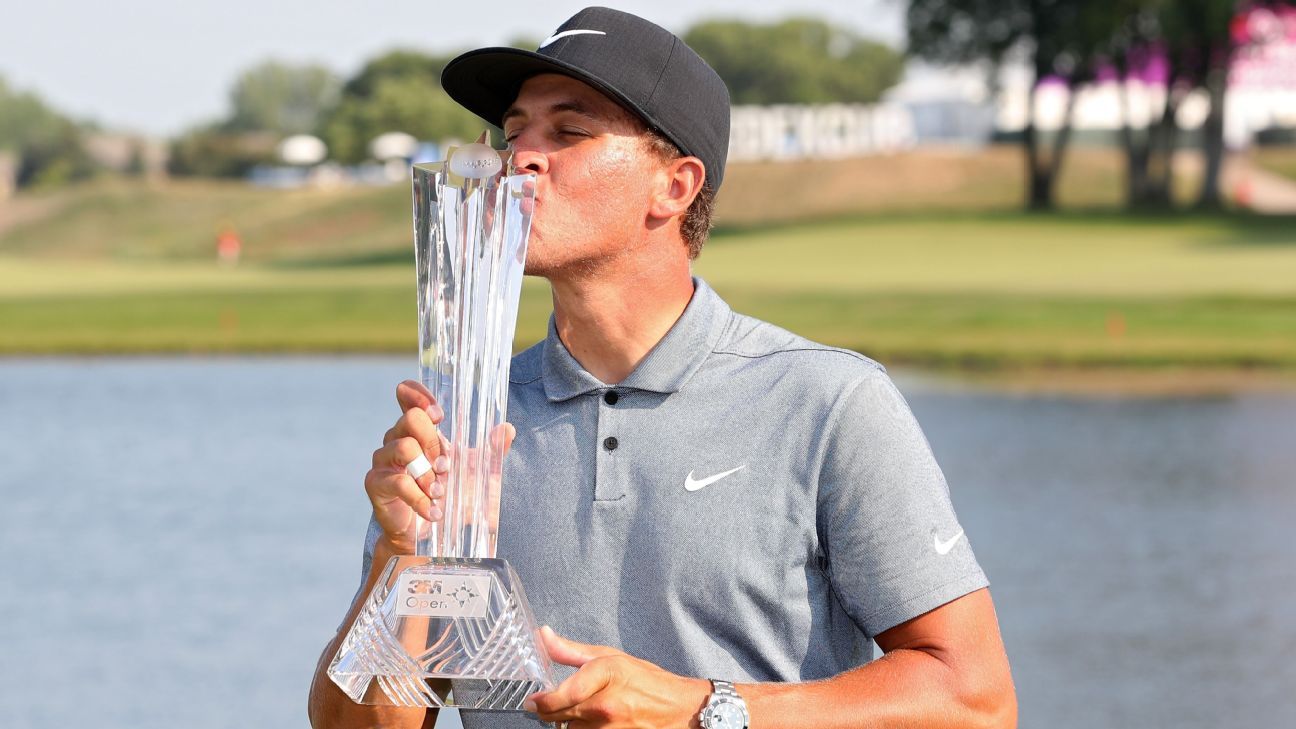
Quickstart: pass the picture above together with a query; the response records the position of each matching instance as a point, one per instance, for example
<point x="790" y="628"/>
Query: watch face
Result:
<point x="726" y="715"/>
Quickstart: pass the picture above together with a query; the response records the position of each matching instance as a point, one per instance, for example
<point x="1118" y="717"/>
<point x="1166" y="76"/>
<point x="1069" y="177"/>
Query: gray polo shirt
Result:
<point x="746" y="505"/>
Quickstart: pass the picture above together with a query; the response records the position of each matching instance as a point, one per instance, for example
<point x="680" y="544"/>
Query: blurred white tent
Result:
<point x="302" y="149"/>
<point x="393" y="145"/>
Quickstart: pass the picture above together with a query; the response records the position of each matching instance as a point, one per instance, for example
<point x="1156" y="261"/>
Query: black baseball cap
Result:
<point x="642" y="66"/>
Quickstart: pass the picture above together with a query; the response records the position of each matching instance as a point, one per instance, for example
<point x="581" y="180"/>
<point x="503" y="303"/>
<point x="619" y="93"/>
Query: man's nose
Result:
<point x="530" y="159"/>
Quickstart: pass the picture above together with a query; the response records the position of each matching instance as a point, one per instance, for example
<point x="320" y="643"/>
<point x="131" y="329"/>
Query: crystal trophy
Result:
<point x="451" y="626"/>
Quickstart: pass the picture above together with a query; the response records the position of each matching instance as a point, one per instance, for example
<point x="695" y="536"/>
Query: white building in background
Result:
<point x="829" y="131"/>
<point x="948" y="106"/>
<point x="953" y="106"/>
<point x="930" y="106"/>
<point x="1262" y="84"/>
<point x="1261" y="94"/>
<point x="1249" y="107"/>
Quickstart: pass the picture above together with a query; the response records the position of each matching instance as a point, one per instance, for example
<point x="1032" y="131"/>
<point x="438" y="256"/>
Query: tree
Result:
<point x="1196" y="42"/>
<point x="281" y="98"/>
<point x="398" y="91"/>
<point x="207" y="151"/>
<point x="267" y="102"/>
<point x="1059" y="39"/>
<point x="1199" y="40"/>
<point x="796" y="61"/>
<point x="49" y="146"/>
<point x="1185" y="45"/>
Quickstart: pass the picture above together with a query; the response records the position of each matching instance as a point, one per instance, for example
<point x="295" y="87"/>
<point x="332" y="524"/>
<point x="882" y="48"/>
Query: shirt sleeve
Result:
<point x="366" y="558"/>
<point x="371" y="540"/>
<point x="893" y="546"/>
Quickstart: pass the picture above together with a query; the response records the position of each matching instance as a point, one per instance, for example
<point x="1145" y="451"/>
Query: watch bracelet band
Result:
<point x="726" y="692"/>
<point x="724" y="688"/>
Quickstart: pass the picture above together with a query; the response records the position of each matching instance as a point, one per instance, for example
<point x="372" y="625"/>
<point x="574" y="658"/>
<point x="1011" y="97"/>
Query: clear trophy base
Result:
<point x="439" y="631"/>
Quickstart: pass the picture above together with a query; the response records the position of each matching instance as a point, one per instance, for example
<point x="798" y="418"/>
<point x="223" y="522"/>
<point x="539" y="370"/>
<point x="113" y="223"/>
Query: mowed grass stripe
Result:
<point x="977" y="330"/>
<point x="1097" y="254"/>
<point x="968" y="331"/>
<point x="967" y="289"/>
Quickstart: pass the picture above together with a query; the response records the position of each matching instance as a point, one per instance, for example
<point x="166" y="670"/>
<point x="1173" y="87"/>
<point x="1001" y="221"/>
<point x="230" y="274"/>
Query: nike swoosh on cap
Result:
<point x="697" y="485"/>
<point x="565" y="33"/>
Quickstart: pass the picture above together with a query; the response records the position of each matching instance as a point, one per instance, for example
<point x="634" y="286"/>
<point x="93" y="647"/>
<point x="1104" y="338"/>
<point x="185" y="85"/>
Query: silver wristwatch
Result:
<point x="725" y="709"/>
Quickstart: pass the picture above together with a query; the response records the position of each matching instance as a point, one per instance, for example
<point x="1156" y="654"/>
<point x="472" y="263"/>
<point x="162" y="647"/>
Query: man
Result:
<point x="709" y="510"/>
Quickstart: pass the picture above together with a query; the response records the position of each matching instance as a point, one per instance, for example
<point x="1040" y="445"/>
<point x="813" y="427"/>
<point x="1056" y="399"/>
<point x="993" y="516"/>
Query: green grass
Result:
<point x="292" y="319"/>
<point x="112" y="219"/>
<point x="1278" y="160"/>
<point x="992" y="332"/>
<point x="1074" y="254"/>
<point x="971" y="291"/>
<point x="908" y="259"/>
<point x="180" y="220"/>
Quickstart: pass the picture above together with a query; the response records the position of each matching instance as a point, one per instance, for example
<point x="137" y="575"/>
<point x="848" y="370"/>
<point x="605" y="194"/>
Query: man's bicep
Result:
<point x="963" y="635"/>
<point x="960" y="624"/>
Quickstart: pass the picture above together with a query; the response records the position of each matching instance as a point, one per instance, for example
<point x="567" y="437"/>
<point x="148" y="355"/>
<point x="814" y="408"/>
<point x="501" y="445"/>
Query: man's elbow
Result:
<point x="317" y="703"/>
<point x="992" y="702"/>
<point x="1001" y="712"/>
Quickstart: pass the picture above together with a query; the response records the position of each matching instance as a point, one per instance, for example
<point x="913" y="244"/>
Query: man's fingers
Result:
<point x="509" y="434"/>
<point x="409" y="456"/>
<point x="501" y="438"/>
<point x="387" y="489"/>
<point x="558" y="705"/>
<point x="411" y="395"/>
<point x="417" y="424"/>
<point x="597" y="665"/>
<point x="570" y="652"/>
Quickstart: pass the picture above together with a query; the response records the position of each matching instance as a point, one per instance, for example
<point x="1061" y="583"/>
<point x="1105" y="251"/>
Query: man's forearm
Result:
<point x="905" y="688"/>
<point x="328" y="707"/>
<point x="945" y="669"/>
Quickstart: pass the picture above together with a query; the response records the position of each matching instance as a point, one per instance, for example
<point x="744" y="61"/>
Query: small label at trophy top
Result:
<point x="475" y="161"/>
<point x="442" y="595"/>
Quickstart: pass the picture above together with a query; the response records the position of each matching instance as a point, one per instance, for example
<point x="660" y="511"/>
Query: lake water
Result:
<point x="181" y="536"/>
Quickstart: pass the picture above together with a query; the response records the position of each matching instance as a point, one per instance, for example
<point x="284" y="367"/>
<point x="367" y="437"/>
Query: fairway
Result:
<point x="1069" y="254"/>
<point x="968" y="291"/>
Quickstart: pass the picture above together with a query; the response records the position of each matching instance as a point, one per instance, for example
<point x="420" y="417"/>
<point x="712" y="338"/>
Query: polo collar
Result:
<point x="667" y="366"/>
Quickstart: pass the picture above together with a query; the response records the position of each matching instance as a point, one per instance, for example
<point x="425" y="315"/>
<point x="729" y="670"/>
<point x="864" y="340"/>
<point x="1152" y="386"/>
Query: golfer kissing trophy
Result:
<point x="451" y="626"/>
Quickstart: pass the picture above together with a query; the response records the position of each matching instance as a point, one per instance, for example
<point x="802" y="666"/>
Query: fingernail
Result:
<point x="529" y="705"/>
<point x="435" y="412"/>
<point x="441" y="464"/>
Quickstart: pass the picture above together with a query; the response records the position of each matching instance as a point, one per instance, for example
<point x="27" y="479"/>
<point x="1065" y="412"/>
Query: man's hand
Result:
<point x="613" y="689"/>
<point x="396" y="496"/>
<point x="944" y="669"/>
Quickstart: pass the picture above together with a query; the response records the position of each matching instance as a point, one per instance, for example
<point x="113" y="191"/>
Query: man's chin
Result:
<point x="535" y="267"/>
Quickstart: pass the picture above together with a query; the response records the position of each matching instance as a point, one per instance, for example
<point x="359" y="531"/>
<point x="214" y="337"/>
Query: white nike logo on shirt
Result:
<point x="698" y="485"/>
<point x="944" y="548"/>
<point x="565" y="33"/>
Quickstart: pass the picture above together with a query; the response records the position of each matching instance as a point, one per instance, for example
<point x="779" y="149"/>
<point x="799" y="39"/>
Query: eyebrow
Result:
<point x="571" y="105"/>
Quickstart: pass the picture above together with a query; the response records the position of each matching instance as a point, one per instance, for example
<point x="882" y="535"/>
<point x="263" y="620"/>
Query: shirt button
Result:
<point x="610" y="397"/>
<point x="610" y="443"/>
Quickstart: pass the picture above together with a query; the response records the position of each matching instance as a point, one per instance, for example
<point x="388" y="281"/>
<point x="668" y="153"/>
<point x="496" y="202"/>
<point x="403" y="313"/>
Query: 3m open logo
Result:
<point x="442" y="596"/>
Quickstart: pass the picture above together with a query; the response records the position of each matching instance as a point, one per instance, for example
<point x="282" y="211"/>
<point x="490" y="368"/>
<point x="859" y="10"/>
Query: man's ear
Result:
<point x="680" y="182"/>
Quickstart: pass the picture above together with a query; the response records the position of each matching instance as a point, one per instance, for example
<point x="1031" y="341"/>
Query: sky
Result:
<point x="160" y="66"/>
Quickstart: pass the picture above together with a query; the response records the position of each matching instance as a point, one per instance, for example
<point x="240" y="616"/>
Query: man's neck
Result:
<point x="610" y="323"/>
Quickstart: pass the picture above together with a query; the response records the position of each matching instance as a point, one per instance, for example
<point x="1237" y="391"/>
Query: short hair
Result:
<point x="696" y="225"/>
